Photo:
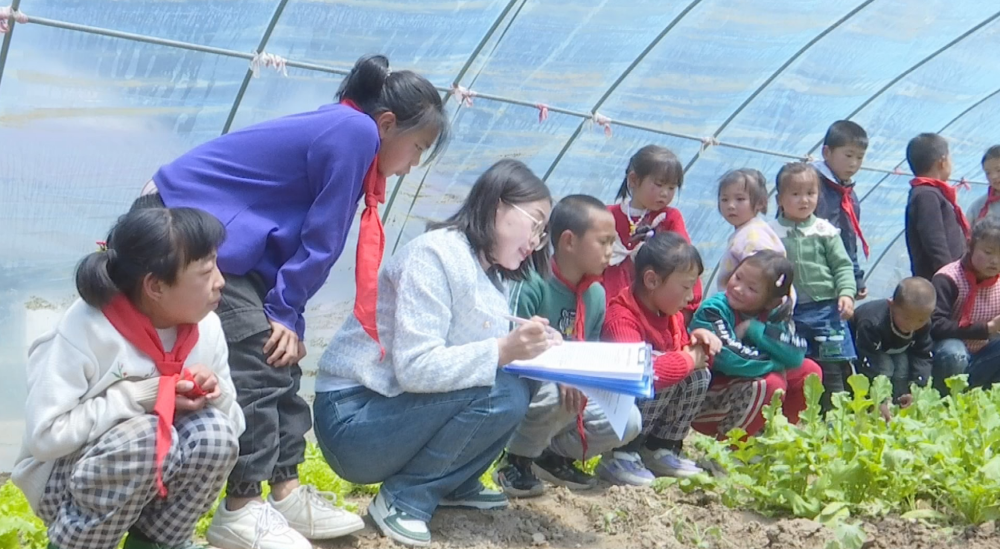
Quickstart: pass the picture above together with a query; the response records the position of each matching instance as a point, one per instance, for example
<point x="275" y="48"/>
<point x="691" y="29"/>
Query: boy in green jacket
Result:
<point x="560" y="426"/>
<point x="824" y="276"/>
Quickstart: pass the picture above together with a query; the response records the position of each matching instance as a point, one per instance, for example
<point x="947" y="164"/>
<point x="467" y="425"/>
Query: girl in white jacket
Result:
<point x="131" y="422"/>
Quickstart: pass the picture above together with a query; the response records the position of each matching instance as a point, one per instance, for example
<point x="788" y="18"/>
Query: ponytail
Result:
<point x="93" y="280"/>
<point x="411" y="97"/>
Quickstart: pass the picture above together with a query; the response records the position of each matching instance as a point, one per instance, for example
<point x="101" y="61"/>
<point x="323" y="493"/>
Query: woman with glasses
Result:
<point x="428" y="413"/>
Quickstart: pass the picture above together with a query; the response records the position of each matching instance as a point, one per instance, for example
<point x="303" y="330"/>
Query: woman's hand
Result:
<point x="710" y="341"/>
<point x="527" y="341"/>
<point x="204" y="379"/>
<point x="283" y="346"/>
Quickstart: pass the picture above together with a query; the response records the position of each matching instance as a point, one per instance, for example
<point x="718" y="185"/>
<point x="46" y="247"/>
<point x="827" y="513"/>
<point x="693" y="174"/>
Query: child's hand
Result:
<point x="905" y="400"/>
<point x="846" y="306"/>
<point x="705" y="338"/>
<point x="698" y="355"/>
<point x="884" y="410"/>
<point x="283" y="346"/>
<point x="572" y="399"/>
<point x="862" y="293"/>
<point x="203" y="378"/>
<point x="742" y="327"/>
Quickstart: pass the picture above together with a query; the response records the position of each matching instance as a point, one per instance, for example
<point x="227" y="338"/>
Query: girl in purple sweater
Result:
<point x="287" y="191"/>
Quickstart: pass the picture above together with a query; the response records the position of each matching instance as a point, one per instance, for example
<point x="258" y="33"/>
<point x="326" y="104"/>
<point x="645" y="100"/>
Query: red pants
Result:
<point x="739" y="402"/>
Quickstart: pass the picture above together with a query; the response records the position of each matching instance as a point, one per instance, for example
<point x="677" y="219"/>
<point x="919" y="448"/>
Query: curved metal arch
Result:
<point x="943" y="128"/>
<point x="778" y="72"/>
<point x="912" y="68"/>
<point x="878" y="260"/>
<point x="8" y="36"/>
<point x="458" y="78"/>
<point x="246" y="78"/>
<point x="621" y="78"/>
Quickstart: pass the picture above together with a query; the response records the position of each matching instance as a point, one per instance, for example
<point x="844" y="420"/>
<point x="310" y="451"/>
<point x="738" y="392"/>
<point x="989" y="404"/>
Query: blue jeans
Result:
<point x="422" y="447"/>
<point x="952" y="357"/>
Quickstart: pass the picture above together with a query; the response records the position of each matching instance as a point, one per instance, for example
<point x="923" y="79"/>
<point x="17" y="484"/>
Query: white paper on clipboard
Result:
<point x="616" y="406"/>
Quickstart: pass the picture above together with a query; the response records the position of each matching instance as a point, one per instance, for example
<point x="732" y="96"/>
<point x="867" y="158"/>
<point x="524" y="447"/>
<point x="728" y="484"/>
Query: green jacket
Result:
<point x="767" y="346"/>
<point x="823" y="270"/>
<point x="551" y="299"/>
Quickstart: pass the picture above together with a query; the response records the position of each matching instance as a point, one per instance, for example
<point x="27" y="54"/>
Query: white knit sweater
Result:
<point x="439" y="319"/>
<point x="84" y="378"/>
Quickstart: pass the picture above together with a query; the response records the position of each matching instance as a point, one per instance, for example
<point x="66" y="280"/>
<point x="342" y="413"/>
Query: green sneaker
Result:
<point x="398" y="525"/>
<point x="484" y="499"/>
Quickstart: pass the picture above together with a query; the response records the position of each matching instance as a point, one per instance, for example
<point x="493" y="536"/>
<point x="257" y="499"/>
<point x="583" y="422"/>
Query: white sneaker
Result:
<point x="313" y="514"/>
<point x="256" y="526"/>
<point x="397" y="524"/>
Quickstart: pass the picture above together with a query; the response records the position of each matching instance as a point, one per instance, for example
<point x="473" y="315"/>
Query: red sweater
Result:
<point x="628" y="321"/>
<point x="620" y="276"/>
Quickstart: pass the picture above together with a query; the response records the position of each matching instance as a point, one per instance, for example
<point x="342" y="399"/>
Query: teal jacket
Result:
<point x="823" y="270"/>
<point x="767" y="346"/>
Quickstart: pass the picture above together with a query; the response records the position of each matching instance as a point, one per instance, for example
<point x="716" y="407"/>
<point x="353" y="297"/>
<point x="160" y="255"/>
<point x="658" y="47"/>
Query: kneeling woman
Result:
<point x="429" y="413"/>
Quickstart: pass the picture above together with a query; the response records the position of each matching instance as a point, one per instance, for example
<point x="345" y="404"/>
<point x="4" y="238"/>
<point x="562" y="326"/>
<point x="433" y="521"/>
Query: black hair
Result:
<point x="775" y="268"/>
<point x="991" y="153"/>
<point x="915" y="291"/>
<point x="147" y="241"/>
<point x="845" y="132"/>
<point x="665" y="254"/>
<point x="508" y="181"/>
<point x="652" y="160"/>
<point x="987" y="230"/>
<point x="573" y="213"/>
<point x="924" y="151"/>
<point x="792" y="169"/>
<point x="753" y="182"/>
<point x="411" y="97"/>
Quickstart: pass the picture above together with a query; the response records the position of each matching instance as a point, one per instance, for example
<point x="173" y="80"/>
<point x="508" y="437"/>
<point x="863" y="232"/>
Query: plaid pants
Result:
<point x="669" y="414"/>
<point x="96" y="495"/>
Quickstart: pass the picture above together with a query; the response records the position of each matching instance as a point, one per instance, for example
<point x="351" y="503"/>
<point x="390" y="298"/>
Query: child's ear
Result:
<point x="566" y="241"/>
<point x="633" y="179"/>
<point x="385" y="122"/>
<point x="650" y="280"/>
<point x="827" y="152"/>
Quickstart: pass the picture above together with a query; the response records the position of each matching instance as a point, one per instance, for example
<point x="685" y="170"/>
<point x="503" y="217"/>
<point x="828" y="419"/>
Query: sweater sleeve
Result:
<point x="528" y="298"/>
<point x="841" y="266"/>
<point x="675" y="223"/>
<point x="930" y="230"/>
<point x="774" y="338"/>
<point x="58" y="420"/>
<point x="422" y="359"/>
<point x="226" y="402"/>
<point x="943" y="323"/>
<point x="736" y="358"/>
<point x="336" y="162"/>
<point x="669" y="368"/>
<point x="920" y="355"/>
<point x="859" y="273"/>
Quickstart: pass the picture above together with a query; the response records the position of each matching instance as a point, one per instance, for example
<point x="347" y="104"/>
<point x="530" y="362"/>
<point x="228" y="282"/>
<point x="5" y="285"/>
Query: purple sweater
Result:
<point x="287" y="191"/>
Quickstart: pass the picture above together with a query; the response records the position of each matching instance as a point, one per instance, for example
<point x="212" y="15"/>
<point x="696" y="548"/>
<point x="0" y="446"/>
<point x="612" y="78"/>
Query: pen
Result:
<point x="553" y="333"/>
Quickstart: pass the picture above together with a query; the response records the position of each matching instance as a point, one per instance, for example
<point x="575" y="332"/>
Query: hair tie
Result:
<point x="780" y="281"/>
<point x="102" y="246"/>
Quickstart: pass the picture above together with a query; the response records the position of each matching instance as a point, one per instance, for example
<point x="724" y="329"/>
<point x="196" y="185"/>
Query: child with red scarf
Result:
<point x="987" y="204"/>
<point x="560" y="426"/>
<point x="844" y="149"/>
<point x="651" y="310"/>
<point x="132" y="423"/>
<point x="966" y="321"/>
<point x="936" y="228"/>
<point x="652" y="179"/>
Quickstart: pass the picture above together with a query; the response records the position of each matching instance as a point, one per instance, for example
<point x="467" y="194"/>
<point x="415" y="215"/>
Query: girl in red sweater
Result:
<point x="651" y="181"/>
<point x="667" y="270"/>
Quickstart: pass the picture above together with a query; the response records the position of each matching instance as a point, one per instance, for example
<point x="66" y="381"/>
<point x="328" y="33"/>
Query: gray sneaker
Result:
<point x="398" y="525"/>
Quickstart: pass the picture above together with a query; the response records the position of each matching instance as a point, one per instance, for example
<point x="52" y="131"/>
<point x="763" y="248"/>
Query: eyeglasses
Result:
<point x="537" y="230"/>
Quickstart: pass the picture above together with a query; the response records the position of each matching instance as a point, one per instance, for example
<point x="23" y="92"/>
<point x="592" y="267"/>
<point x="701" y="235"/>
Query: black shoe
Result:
<point x="561" y="471"/>
<point x="514" y="476"/>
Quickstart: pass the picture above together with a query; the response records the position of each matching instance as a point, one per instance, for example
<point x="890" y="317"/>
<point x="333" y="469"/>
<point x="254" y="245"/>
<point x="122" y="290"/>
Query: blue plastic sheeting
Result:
<point x="85" y="120"/>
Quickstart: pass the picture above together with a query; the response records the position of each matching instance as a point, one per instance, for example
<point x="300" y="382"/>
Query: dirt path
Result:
<point x="628" y="518"/>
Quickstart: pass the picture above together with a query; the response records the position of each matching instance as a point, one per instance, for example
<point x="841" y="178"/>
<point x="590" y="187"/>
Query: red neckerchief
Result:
<point x="371" y="246"/>
<point x="579" y="328"/>
<point x="579" y="332"/>
<point x="991" y="197"/>
<point x="624" y="224"/>
<point x="965" y="316"/>
<point x="847" y="205"/>
<point x="950" y="194"/>
<point x="138" y="330"/>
